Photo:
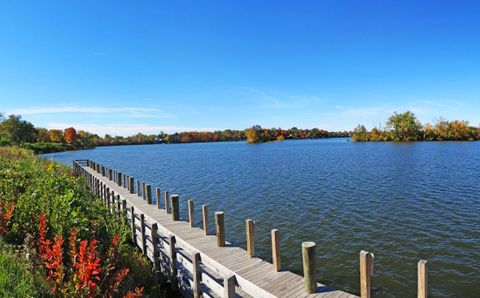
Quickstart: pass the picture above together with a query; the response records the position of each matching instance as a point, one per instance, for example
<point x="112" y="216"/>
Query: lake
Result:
<point x="401" y="201"/>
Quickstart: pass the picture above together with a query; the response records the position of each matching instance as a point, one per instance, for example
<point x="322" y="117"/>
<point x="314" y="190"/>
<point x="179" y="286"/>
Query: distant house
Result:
<point x="159" y="140"/>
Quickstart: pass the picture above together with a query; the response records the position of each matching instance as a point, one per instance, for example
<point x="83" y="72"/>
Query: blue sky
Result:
<point x="128" y="66"/>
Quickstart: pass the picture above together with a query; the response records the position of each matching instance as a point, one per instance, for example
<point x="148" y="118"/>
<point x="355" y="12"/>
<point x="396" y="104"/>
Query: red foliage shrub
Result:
<point x="138" y="292"/>
<point x="5" y="216"/>
<point x="81" y="274"/>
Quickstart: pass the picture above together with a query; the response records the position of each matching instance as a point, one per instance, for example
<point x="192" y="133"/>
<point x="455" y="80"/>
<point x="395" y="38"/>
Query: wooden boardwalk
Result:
<point x="190" y="259"/>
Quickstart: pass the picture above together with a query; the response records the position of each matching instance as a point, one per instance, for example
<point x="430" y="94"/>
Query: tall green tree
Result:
<point x="404" y="126"/>
<point x="17" y="130"/>
<point x="359" y="133"/>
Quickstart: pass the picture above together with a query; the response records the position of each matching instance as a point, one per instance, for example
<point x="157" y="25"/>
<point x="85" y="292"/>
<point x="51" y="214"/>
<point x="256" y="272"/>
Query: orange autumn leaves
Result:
<point x="5" y="216"/>
<point x="84" y="273"/>
<point x="70" y="135"/>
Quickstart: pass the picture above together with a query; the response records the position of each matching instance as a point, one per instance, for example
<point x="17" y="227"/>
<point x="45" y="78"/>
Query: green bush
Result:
<point x="48" y="147"/>
<point x="39" y="186"/>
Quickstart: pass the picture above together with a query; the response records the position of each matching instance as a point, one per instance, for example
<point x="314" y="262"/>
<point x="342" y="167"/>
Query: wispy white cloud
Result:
<point x="361" y="111"/>
<point x="277" y="100"/>
<point x="432" y="103"/>
<point x="136" y="112"/>
<point x="442" y="103"/>
<point x="126" y="129"/>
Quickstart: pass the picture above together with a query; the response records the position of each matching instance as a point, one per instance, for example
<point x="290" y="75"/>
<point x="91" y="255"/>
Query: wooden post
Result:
<point x="276" y="250"/>
<point x="139" y="193"/>
<point x="197" y="275"/>
<point x="220" y="225"/>
<point x="229" y="286"/>
<point x="144" y="195"/>
<point x="119" y="210"/>
<point x="422" y="279"/>
<point x="144" y="238"/>
<point x="124" y="209"/>
<point x="132" y="222"/>
<point x="119" y="179"/>
<point x="309" y="270"/>
<point x="250" y="237"/>
<point x="112" y="199"/>
<point x="366" y="270"/>
<point x="158" y="197"/>
<point x="148" y="193"/>
<point x="205" y="219"/>
<point x="167" y="202"/>
<point x="155" y="243"/>
<point x="102" y="197"/>
<point x="109" y="207"/>
<point x="131" y="184"/>
<point x="175" y="207"/>
<point x="110" y="174"/>
<point x="124" y="180"/>
<point x="173" y="261"/>
<point x="191" y="214"/>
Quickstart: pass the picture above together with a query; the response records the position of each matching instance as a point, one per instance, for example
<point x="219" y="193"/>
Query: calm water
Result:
<point x="401" y="201"/>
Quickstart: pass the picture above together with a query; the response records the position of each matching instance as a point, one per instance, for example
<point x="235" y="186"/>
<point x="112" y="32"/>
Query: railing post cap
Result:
<point x="308" y="244"/>
<point x="422" y="261"/>
<point x="174" y="196"/>
<point x="218" y="212"/>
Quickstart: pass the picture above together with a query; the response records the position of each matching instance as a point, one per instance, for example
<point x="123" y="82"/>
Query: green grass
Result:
<point x="17" y="276"/>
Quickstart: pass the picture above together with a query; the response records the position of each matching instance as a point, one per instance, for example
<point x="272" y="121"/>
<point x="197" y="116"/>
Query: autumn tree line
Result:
<point x="16" y="131"/>
<point x="405" y="127"/>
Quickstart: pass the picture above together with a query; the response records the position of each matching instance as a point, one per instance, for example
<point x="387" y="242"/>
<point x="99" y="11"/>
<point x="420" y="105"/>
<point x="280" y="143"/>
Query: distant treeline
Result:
<point x="405" y="127"/>
<point x="15" y="131"/>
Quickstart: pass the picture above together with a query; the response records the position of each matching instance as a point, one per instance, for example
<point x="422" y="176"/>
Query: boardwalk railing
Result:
<point x="202" y="265"/>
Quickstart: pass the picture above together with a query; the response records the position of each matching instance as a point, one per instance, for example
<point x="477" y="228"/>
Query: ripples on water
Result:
<point x="401" y="201"/>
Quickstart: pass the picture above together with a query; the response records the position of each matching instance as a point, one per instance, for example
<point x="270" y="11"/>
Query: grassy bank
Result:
<point x="69" y="246"/>
<point x="49" y="147"/>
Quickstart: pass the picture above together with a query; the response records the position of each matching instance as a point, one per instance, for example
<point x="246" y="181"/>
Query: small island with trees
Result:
<point x="405" y="127"/>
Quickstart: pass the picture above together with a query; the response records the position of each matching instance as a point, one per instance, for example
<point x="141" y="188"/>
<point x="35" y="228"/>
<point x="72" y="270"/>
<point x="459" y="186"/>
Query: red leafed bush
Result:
<point x="82" y="273"/>
<point x="5" y="215"/>
<point x="138" y="292"/>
